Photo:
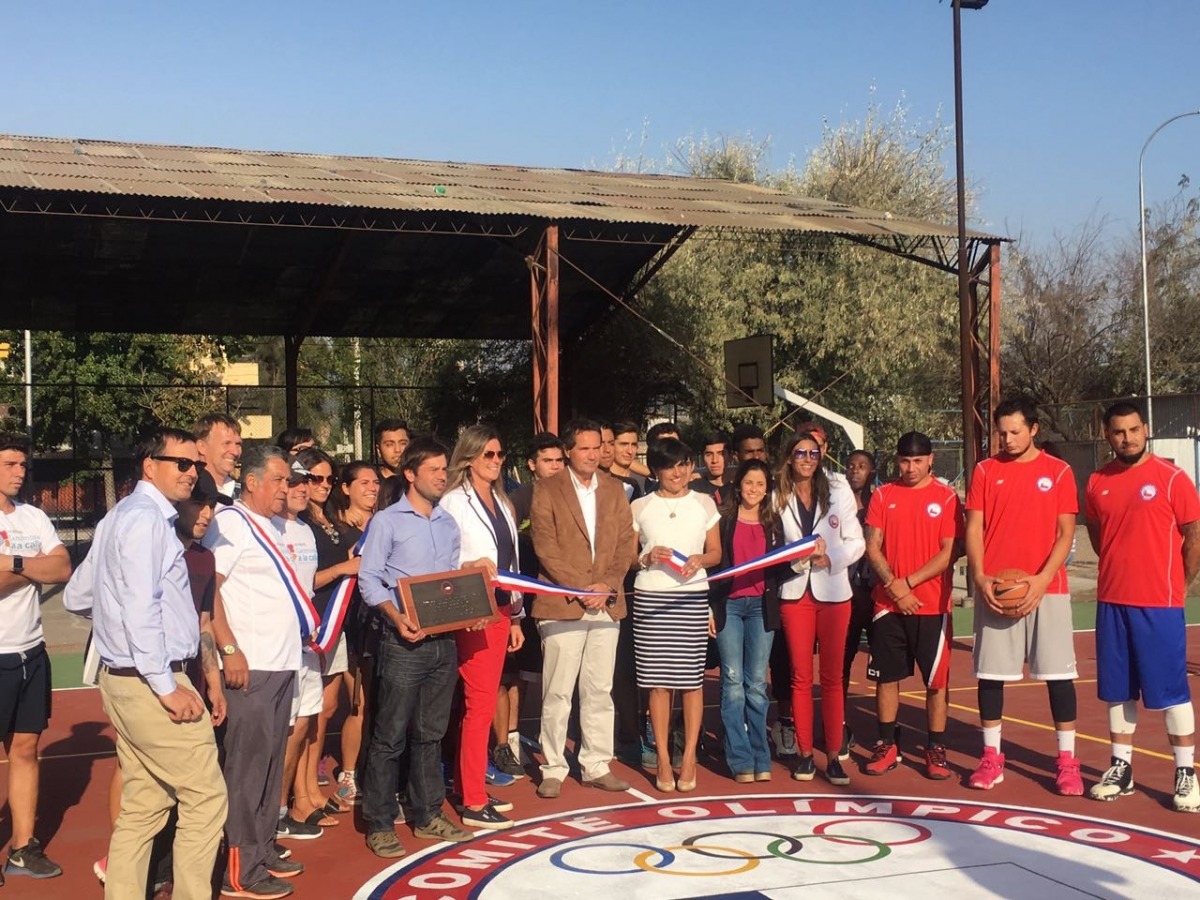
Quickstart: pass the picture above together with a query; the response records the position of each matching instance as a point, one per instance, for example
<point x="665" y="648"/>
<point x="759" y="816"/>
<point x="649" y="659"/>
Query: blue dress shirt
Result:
<point x="402" y="543"/>
<point x="143" y="616"/>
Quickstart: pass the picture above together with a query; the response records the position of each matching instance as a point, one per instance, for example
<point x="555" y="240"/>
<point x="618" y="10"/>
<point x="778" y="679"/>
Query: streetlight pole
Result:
<point x="1145" y="277"/>
<point x="966" y="314"/>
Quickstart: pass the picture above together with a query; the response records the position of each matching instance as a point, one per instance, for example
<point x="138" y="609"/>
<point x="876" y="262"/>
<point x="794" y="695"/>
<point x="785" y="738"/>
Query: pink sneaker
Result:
<point x="100" y="868"/>
<point x="990" y="772"/>
<point x="1068" y="782"/>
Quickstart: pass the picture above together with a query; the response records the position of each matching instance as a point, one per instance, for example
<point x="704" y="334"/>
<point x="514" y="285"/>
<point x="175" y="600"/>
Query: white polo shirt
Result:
<point x="257" y="605"/>
<point x="26" y="531"/>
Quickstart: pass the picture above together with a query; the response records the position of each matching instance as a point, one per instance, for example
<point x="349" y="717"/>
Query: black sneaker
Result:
<point x="282" y="851"/>
<point x="289" y="829"/>
<point x="835" y="773"/>
<point x="805" y="769"/>
<point x="1116" y="782"/>
<point x="487" y="817"/>
<point x="269" y="888"/>
<point x="30" y="860"/>
<point x="496" y="804"/>
<point x="507" y="762"/>
<point x="285" y="868"/>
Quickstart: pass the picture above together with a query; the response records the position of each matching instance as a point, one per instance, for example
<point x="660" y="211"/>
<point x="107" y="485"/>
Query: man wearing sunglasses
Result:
<point x="146" y="630"/>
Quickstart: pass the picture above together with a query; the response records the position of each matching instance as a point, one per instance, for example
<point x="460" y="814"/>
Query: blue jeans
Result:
<point x="414" y="687"/>
<point x="745" y="647"/>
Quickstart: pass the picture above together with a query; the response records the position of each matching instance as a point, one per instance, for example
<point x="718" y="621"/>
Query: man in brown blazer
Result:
<point x="583" y="537"/>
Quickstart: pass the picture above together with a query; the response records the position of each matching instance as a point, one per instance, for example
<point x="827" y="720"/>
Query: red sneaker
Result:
<point x="884" y="758"/>
<point x="935" y="763"/>
<point x="990" y="772"/>
<point x="1068" y="782"/>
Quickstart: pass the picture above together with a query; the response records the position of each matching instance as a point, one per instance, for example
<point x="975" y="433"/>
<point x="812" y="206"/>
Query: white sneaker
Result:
<point x="347" y="789"/>
<point x="1187" y="791"/>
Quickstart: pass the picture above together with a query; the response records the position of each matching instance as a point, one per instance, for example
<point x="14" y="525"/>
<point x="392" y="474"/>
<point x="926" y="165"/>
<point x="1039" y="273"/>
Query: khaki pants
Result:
<point x="163" y="764"/>
<point x="584" y="651"/>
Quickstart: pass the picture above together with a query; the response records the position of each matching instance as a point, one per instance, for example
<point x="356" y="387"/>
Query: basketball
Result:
<point x="1010" y="591"/>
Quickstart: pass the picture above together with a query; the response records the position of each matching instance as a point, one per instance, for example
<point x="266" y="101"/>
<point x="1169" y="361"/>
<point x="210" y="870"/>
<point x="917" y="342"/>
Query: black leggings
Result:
<point x="1062" y="700"/>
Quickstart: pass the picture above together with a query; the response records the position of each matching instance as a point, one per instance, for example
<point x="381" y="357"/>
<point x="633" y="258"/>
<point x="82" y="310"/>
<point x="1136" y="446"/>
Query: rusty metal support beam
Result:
<point x="993" y="342"/>
<point x="544" y="300"/>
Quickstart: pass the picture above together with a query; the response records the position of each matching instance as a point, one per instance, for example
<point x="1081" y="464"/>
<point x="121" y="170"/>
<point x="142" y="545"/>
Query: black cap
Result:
<point x="914" y="444"/>
<point x="206" y="491"/>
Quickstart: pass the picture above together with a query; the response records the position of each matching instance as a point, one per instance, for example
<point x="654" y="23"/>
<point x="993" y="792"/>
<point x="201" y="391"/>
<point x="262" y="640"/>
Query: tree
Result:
<point x="874" y="335"/>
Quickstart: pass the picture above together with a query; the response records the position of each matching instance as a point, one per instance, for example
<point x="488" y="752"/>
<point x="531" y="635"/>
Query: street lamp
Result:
<point x="966" y="324"/>
<point x="1145" y="278"/>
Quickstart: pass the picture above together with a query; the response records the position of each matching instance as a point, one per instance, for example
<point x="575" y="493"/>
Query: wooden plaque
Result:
<point x="448" y="601"/>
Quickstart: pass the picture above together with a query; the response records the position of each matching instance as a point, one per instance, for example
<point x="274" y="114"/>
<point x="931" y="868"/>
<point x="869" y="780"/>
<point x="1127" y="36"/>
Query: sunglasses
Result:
<point x="322" y="479"/>
<point x="807" y="454"/>
<point x="495" y="454"/>
<point x="182" y="462"/>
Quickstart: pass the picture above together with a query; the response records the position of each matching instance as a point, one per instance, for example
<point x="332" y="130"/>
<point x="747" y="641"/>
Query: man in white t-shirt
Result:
<point x="30" y="555"/>
<point x="219" y="442"/>
<point x="259" y="630"/>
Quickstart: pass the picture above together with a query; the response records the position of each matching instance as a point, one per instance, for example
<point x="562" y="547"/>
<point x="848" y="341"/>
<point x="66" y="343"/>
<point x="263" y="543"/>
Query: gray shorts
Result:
<point x="1044" y="639"/>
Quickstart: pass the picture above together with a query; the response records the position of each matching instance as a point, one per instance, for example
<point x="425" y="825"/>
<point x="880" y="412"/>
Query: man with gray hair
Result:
<point x="264" y="616"/>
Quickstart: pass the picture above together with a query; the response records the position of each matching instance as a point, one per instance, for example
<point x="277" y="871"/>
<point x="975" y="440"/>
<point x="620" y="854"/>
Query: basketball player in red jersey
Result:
<point x="1021" y="510"/>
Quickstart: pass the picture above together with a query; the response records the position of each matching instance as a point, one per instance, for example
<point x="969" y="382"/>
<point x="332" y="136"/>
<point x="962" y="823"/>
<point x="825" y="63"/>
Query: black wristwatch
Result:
<point x="18" y="565"/>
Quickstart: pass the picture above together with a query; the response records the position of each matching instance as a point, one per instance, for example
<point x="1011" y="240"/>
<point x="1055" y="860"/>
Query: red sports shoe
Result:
<point x="1068" y="782"/>
<point x="935" y="763"/>
<point x="990" y="772"/>
<point x="884" y="758"/>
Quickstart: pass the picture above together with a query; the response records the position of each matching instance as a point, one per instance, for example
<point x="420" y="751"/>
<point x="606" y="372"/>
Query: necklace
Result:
<point x="671" y="509"/>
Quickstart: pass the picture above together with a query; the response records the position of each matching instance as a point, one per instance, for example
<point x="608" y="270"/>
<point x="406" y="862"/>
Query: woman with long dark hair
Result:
<point x="475" y="498"/>
<point x="745" y="617"/>
<point x="339" y="507"/>
<point x="814" y="605"/>
<point x="670" y="602"/>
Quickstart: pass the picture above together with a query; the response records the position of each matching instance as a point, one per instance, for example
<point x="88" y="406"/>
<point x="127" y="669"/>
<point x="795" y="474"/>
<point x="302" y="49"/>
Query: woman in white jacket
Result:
<point x="814" y="601"/>
<point x="476" y="500"/>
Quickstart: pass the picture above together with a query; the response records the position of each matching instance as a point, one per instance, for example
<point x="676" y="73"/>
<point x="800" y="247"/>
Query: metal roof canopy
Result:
<point x="114" y="236"/>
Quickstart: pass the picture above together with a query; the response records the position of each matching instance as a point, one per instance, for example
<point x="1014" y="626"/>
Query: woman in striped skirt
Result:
<point x="679" y="535"/>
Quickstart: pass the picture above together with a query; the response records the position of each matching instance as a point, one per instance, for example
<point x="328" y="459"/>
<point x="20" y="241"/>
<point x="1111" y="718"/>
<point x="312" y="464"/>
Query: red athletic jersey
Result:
<point x="914" y="522"/>
<point x="1139" y="510"/>
<point x="1021" y="503"/>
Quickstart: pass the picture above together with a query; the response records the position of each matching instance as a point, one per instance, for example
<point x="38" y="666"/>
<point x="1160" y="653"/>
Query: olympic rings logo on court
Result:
<point x="818" y="847"/>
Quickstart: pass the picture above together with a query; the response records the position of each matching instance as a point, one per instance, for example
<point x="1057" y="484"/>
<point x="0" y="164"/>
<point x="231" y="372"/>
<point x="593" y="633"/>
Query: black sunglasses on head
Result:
<point x="182" y="462"/>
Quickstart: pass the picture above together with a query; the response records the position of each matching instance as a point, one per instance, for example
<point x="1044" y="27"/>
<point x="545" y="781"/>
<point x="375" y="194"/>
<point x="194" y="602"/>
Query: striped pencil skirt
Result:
<point x="670" y="638"/>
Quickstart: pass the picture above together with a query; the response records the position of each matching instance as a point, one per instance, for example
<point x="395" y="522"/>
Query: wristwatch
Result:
<point x="18" y="565"/>
<point x="229" y="649"/>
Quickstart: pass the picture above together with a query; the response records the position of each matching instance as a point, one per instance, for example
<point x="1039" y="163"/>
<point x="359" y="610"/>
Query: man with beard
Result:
<point x="1143" y="519"/>
<point x="1021" y="510"/>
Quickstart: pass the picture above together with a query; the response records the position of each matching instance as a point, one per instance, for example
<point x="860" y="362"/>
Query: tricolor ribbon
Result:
<point x="801" y="549"/>
<point x="325" y="638"/>
<point x="513" y="581"/>
<point x="302" y="603"/>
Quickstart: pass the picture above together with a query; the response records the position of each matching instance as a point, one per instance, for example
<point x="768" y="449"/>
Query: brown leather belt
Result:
<point x="131" y="672"/>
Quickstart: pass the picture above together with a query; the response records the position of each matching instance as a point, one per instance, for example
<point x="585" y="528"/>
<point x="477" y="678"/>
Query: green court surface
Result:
<point x="67" y="666"/>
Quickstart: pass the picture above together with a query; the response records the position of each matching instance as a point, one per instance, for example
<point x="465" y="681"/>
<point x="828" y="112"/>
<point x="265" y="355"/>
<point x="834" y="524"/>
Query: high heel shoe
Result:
<point x="685" y="787"/>
<point x="665" y="786"/>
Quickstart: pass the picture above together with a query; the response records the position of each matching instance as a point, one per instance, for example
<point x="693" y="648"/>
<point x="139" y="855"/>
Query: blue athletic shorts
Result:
<point x="1141" y="652"/>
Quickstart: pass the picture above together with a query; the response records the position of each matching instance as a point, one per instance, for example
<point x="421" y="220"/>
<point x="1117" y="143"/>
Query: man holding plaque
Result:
<point x="583" y="537"/>
<point x="416" y="671"/>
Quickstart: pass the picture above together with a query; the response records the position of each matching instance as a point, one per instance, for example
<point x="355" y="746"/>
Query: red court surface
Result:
<point x="79" y="759"/>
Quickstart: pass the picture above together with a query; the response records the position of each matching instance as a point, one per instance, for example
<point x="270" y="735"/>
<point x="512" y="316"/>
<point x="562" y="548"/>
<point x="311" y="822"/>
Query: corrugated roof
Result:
<point x="376" y="183"/>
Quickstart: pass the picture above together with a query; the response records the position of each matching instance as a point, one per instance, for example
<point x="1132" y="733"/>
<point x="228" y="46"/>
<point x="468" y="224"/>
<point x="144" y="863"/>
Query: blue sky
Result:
<point x="1059" y="94"/>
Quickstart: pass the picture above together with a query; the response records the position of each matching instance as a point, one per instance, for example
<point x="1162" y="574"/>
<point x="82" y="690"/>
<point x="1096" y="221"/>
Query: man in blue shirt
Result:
<point x="416" y="672"/>
<point x="145" y="630"/>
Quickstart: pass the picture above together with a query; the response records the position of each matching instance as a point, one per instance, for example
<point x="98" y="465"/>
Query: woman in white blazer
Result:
<point x="814" y="601"/>
<point x="476" y="500"/>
